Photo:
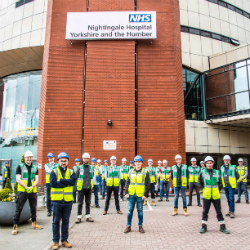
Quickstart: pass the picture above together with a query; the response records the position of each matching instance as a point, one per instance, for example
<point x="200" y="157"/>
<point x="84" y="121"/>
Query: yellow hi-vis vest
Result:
<point x="193" y="174"/>
<point x="51" y="168"/>
<point x="137" y="182"/>
<point x="165" y="173"/>
<point x="231" y="175"/>
<point x="80" y="179"/>
<point x="183" y="175"/>
<point x="124" y="172"/>
<point x="152" y="174"/>
<point x="211" y="189"/>
<point x="25" y="175"/>
<point x="62" y="194"/>
<point x="113" y="176"/>
<point x="242" y="171"/>
<point x="5" y="172"/>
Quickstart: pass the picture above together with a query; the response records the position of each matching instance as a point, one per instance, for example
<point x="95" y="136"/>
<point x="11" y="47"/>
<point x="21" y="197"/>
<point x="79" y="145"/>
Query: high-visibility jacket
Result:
<point x="152" y="174"/>
<point x="157" y="169"/>
<point x="137" y="182"/>
<point x="193" y="173"/>
<point x="124" y="172"/>
<point x="62" y="194"/>
<point x="81" y="177"/>
<point x="242" y="171"/>
<point x="51" y="167"/>
<point x="211" y="189"/>
<point x="96" y="178"/>
<point x="5" y="173"/>
<point x="231" y="175"/>
<point x="165" y="173"/>
<point x="183" y="175"/>
<point x="103" y="170"/>
<point x="75" y="168"/>
<point x="25" y="175"/>
<point x="113" y="176"/>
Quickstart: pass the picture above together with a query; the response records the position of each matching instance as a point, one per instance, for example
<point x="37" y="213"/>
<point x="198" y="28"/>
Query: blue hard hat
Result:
<point x="50" y="155"/>
<point x="93" y="160"/>
<point x="63" y="155"/>
<point x="138" y="158"/>
<point x="106" y="161"/>
<point x="77" y="160"/>
<point x="131" y="162"/>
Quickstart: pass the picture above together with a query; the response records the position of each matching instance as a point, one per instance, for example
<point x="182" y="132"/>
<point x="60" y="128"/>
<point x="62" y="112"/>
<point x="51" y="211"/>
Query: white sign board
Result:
<point x="111" y="25"/>
<point x="109" y="145"/>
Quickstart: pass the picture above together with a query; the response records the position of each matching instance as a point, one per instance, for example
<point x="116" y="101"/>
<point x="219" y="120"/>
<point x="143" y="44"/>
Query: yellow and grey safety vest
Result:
<point x="231" y="175"/>
<point x="113" y="176"/>
<point x="137" y="182"/>
<point x="242" y="171"/>
<point x="165" y="173"/>
<point x="193" y="173"/>
<point x="124" y="172"/>
<point x="81" y="177"/>
<point x="183" y="175"/>
<point x="152" y="174"/>
<point x="6" y="171"/>
<point x="51" y="167"/>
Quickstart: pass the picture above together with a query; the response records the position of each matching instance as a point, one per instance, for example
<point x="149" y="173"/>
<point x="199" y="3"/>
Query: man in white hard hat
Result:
<point x="179" y="175"/>
<point x="229" y="176"/>
<point x="210" y="181"/>
<point x="124" y="169"/>
<point x="202" y="163"/>
<point x="242" y="182"/>
<point x="164" y="174"/>
<point x="112" y="177"/>
<point x="27" y="179"/>
<point x="193" y="173"/>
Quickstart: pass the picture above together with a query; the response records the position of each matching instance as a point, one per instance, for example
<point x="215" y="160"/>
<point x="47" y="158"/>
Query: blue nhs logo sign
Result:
<point x="140" y="18"/>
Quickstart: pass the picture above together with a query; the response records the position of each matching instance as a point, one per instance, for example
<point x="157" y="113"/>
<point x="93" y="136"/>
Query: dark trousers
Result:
<point x="81" y="194"/>
<point x="74" y="192"/>
<point x="4" y="183"/>
<point x="244" y="185"/>
<point x="22" y="198"/>
<point x="195" y="185"/>
<point x="48" y="197"/>
<point x="109" y="192"/>
<point x="61" y="212"/>
<point x="122" y="186"/>
<point x="152" y="190"/>
<point x="206" y="207"/>
<point x="103" y="188"/>
<point x="96" y="189"/>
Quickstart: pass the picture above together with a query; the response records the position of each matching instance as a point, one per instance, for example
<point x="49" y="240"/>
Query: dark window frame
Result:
<point x="22" y="2"/>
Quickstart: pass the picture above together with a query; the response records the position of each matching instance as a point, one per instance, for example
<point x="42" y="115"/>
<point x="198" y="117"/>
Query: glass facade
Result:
<point x="227" y="90"/>
<point x="19" y="107"/>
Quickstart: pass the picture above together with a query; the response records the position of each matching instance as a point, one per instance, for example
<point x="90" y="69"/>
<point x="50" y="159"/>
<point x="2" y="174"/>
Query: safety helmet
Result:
<point x="99" y="160"/>
<point x="226" y="157"/>
<point x="93" y="160"/>
<point x="113" y="158"/>
<point x="240" y="159"/>
<point x="150" y="160"/>
<point x="159" y="162"/>
<point x="77" y="160"/>
<point x="131" y="162"/>
<point x="138" y="158"/>
<point x="62" y="155"/>
<point x="209" y="158"/>
<point x="202" y="162"/>
<point x="193" y="159"/>
<point x="165" y="161"/>
<point x="28" y="154"/>
<point x="86" y="156"/>
<point x="124" y="159"/>
<point x="106" y="161"/>
<point x="50" y="155"/>
<point x="178" y="157"/>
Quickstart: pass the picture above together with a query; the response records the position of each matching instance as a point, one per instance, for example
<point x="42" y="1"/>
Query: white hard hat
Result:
<point x="178" y="157"/>
<point x="193" y="159"/>
<point x="226" y="157"/>
<point x="159" y="162"/>
<point x="202" y="162"/>
<point x="86" y="156"/>
<point x="113" y="158"/>
<point x="28" y="154"/>
<point x="209" y="158"/>
<point x="124" y="159"/>
<point x="240" y="159"/>
<point x="150" y="160"/>
<point x="99" y="160"/>
<point x="165" y="161"/>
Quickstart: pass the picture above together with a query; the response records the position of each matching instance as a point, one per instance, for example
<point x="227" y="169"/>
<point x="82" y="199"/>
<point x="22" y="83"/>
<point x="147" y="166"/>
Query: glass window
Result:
<point x="194" y="31"/>
<point x="240" y="80"/>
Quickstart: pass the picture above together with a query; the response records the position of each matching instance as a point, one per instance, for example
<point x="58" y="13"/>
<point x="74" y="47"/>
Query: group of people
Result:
<point x="135" y="180"/>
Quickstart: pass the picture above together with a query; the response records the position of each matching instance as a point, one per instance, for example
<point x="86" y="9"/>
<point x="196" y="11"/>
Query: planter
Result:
<point x="7" y="211"/>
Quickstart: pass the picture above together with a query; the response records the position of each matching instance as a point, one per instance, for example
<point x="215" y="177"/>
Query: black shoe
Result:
<point x="74" y="201"/>
<point x="203" y="229"/>
<point x="97" y="206"/>
<point x="167" y="199"/>
<point x="49" y="214"/>
<point x="160" y="199"/>
<point x="223" y="229"/>
<point x="238" y="201"/>
<point x="199" y="205"/>
<point x="247" y="202"/>
<point x="189" y="204"/>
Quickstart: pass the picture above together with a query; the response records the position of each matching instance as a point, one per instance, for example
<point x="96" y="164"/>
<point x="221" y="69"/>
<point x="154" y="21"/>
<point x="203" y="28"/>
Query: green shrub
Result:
<point x="8" y="184"/>
<point x="4" y="194"/>
<point x="22" y="160"/>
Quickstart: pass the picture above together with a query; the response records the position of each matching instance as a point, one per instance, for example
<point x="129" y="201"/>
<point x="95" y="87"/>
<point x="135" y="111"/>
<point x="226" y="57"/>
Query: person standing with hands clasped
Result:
<point x="136" y="190"/>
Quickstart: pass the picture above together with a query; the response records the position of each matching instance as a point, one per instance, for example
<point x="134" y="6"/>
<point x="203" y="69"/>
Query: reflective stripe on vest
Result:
<point x="113" y="176"/>
<point x="183" y="175"/>
<point x="242" y="171"/>
<point x="137" y="182"/>
<point x="51" y="168"/>
<point x="165" y="173"/>
<point x="152" y="173"/>
<point x="62" y="194"/>
<point x="193" y="174"/>
<point x="81" y="178"/>
<point x="231" y="175"/>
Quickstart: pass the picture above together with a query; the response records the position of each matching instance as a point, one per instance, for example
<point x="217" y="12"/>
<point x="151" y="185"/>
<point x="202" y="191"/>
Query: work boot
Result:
<point x="105" y="212"/>
<point x="55" y="245"/>
<point x="185" y="211"/>
<point x="228" y="213"/>
<point x="14" y="230"/>
<point x="145" y="203"/>
<point x="189" y="204"/>
<point x="153" y="203"/>
<point x="141" y="230"/>
<point x="199" y="205"/>
<point x="49" y="214"/>
<point x="160" y="199"/>
<point x="203" y="229"/>
<point x="175" y="211"/>
<point x="78" y="220"/>
<point x="36" y="226"/>
<point x="97" y="206"/>
<point x="89" y="219"/>
<point x="238" y="201"/>
<point x="119" y="212"/>
<point x="223" y="229"/>
<point x="127" y="230"/>
<point x="66" y="244"/>
<point x="247" y="202"/>
<point x="232" y="215"/>
<point x="167" y="199"/>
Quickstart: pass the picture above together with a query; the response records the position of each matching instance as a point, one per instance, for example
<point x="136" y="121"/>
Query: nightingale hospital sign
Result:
<point x="111" y="25"/>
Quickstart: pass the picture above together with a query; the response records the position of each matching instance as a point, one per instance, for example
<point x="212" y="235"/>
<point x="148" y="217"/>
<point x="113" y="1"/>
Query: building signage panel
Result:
<point x="109" y="145"/>
<point x="111" y="25"/>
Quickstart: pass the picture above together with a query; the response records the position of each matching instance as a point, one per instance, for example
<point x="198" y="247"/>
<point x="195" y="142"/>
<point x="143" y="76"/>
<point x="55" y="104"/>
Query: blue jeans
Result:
<point x="74" y="192"/>
<point x="96" y="189"/>
<point x="183" y="195"/>
<point x="244" y="185"/>
<point x="229" y="192"/>
<point x="131" y="205"/>
<point x="100" y="185"/>
<point x="162" y="184"/>
<point x="61" y="211"/>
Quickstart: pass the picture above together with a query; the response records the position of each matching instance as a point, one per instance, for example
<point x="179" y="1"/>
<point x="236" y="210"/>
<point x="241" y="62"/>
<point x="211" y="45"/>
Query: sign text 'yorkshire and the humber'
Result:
<point x="111" y="25"/>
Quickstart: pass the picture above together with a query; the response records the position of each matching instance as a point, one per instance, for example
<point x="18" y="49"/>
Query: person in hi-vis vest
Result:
<point x="6" y="173"/>
<point x="124" y="169"/>
<point x="96" y="180"/>
<point x="48" y="167"/>
<point x="27" y="179"/>
<point x="77" y="166"/>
